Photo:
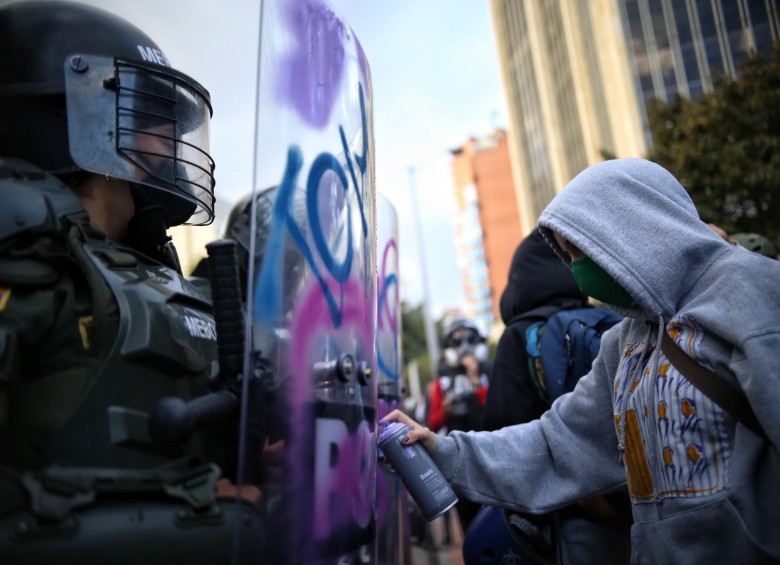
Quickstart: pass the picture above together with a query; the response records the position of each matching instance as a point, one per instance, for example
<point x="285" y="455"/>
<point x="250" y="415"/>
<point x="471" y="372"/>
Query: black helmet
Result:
<point x="82" y="89"/>
<point x="238" y="227"/>
<point x="239" y="221"/>
<point x="756" y="243"/>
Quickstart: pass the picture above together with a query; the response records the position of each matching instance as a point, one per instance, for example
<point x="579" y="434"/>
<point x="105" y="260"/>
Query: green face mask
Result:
<point x="596" y="282"/>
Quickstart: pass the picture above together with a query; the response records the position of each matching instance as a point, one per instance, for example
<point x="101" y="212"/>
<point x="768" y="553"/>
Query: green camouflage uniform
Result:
<point x="92" y="336"/>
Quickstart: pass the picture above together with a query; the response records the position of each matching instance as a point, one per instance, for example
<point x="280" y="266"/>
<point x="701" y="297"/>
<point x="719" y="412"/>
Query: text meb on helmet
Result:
<point x="86" y="91"/>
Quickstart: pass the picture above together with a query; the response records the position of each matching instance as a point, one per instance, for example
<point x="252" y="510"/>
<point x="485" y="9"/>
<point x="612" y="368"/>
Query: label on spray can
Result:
<point x="419" y="473"/>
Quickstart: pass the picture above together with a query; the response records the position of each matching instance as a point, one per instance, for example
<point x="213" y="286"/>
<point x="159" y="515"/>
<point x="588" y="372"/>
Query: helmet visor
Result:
<point x="146" y="124"/>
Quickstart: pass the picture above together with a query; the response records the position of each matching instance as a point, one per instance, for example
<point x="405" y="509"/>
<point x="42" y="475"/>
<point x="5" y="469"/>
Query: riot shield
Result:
<point x="308" y="424"/>
<point x="388" y="336"/>
<point x="392" y="512"/>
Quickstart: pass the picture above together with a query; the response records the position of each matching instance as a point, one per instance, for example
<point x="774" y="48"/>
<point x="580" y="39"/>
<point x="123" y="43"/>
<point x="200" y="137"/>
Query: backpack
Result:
<point x="562" y="346"/>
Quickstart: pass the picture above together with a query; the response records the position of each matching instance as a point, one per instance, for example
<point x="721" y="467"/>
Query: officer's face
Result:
<point x="109" y="203"/>
<point x="156" y="146"/>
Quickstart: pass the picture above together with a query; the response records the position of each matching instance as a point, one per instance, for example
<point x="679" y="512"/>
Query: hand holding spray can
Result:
<point x="419" y="473"/>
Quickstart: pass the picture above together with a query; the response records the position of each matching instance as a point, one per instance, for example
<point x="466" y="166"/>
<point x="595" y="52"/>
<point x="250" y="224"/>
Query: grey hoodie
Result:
<point x="704" y="488"/>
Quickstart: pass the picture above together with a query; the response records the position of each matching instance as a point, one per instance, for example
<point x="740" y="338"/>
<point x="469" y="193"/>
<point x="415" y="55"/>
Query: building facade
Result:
<point x="578" y="75"/>
<point x="487" y="223"/>
<point x="677" y="47"/>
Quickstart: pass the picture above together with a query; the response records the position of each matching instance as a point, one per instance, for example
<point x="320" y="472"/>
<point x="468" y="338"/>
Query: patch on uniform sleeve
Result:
<point x="5" y="294"/>
<point x="85" y="324"/>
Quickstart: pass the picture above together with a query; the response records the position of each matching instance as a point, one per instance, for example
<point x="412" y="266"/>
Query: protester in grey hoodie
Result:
<point x="704" y="487"/>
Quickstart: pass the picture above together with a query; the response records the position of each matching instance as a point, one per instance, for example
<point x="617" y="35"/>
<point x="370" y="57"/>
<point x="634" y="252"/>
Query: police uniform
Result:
<point x="92" y="336"/>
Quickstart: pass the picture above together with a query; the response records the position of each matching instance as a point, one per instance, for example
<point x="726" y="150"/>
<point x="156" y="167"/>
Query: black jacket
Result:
<point x="537" y="277"/>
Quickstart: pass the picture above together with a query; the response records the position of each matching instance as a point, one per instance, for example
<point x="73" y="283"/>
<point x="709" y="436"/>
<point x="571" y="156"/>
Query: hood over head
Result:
<point x="537" y="277"/>
<point x="635" y="220"/>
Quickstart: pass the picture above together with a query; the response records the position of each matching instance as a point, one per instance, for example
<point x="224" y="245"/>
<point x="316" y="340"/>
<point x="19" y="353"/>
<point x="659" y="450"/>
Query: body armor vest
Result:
<point x="109" y="492"/>
<point x="165" y="347"/>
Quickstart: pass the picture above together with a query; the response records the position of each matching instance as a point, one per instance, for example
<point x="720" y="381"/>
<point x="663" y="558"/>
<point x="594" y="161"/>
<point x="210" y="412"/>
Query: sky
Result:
<point x="435" y="81"/>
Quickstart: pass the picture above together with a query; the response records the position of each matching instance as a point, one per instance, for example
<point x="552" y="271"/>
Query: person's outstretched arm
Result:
<point x="568" y="454"/>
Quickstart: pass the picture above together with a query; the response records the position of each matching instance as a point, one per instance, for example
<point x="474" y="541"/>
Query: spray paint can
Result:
<point x="419" y="473"/>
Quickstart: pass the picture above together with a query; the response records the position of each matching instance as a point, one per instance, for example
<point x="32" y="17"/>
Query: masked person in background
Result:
<point x="680" y="405"/>
<point x="457" y="397"/>
<point x="103" y="147"/>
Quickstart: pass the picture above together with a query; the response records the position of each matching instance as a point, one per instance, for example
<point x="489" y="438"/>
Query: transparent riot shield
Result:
<point x="308" y="425"/>
<point x="392" y="513"/>
<point x="388" y="335"/>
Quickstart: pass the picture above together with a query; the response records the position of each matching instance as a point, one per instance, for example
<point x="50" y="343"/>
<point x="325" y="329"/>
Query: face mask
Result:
<point x="596" y="282"/>
<point x="451" y="356"/>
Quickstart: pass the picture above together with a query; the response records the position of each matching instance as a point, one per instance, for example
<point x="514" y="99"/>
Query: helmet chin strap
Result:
<point x="147" y="230"/>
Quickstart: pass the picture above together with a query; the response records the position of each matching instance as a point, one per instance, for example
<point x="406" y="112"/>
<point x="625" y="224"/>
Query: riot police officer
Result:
<point x="103" y="147"/>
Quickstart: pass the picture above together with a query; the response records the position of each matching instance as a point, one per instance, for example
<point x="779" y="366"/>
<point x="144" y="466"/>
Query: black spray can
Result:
<point x="418" y="472"/>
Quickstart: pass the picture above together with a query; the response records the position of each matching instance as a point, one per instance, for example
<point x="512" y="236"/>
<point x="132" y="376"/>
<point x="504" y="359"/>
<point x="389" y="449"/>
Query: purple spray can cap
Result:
<point x="389" y="429"/>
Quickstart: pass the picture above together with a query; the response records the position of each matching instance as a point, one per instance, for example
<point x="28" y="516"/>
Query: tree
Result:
<point x="413" y="340"/>
<point x="724" y="147"/>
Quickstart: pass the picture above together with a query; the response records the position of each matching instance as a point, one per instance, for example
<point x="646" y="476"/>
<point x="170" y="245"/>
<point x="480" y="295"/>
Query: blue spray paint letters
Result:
<point x="324" y="163"/>
<point x="362" y="160"/>
<point x="392" y="373"/>
<point x="268" y="303"/>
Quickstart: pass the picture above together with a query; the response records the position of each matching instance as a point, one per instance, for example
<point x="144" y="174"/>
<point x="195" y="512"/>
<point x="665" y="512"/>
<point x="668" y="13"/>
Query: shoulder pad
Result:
<point x="33" y="201"/>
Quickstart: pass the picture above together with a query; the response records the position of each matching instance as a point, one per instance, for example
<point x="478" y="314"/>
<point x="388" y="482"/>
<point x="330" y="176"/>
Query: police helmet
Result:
<point x="239" y="221"/>
<point x="242" y="217"/>
<point x="756" y="243"/>
<point x="84" y="90"/>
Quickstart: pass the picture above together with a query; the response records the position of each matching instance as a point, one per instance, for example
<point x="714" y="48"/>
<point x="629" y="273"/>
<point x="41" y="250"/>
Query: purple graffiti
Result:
<point x="365" y="70"/>
<point x="390" y="310"/>
<point x="391" y="506"/>
<point x="388" y="350"/>
<point x="312" y="73"/>
<point x="387" y="481"/>
<point x="342" y="460"/>
<point x="312" y="325"/>
<point x="313" y="320"/>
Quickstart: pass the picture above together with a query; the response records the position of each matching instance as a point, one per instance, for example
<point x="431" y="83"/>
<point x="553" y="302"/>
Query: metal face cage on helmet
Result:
<point x="253" y="215"/>
<point x="144" y="123"/>
<point x="239" y="222"/>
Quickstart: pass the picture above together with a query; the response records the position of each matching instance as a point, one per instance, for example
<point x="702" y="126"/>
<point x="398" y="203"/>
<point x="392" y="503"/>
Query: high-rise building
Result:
<point x="487" y="224"/>
<point x="677" y="47"/>
<point x="578" y="75"/>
